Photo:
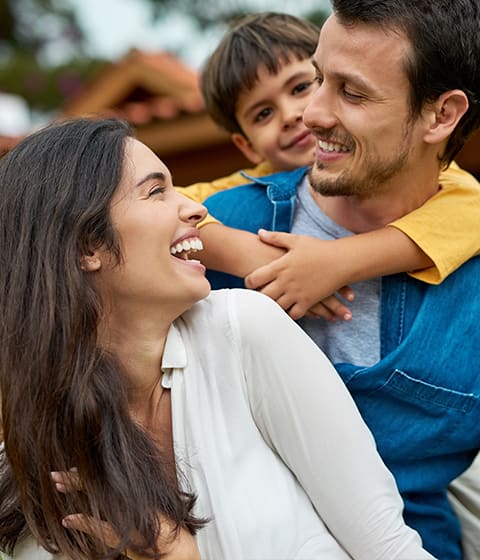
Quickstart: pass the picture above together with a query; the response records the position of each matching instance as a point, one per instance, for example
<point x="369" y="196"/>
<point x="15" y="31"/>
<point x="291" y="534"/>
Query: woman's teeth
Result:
<point x="183" y="248"/>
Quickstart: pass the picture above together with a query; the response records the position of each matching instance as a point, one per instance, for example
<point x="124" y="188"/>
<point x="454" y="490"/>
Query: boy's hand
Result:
<point x="303" y="280"/>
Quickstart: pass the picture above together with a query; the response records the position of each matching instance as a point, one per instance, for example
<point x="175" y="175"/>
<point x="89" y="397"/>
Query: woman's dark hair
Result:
<point x="269" y="39"/>
<point x="445" y="50"/>
<point x="64" y="399"/>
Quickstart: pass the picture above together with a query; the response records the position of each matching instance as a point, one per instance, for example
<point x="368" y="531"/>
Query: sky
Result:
<point x="112" y="27"/>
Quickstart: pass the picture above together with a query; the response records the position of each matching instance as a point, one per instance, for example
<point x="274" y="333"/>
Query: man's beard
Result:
<point x="374" y="180"/>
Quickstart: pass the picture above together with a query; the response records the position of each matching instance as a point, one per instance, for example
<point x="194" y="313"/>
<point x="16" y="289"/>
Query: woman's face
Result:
<point x="156" y="228"/>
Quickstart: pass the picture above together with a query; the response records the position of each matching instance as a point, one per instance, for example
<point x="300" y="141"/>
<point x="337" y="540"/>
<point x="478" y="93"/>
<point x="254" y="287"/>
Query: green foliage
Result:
<point x="45" y="88"/>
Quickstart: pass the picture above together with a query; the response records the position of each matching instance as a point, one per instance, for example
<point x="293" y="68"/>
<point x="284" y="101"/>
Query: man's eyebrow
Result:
<point x="154" y="175"/>
<point x="346" y="77"/>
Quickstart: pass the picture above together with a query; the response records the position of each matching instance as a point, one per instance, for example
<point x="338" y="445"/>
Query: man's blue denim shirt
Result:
<point x="421" y="400"/>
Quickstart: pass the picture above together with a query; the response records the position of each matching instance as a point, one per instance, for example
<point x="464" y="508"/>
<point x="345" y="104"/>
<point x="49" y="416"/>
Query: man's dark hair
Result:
<point x="264" y="39"/>
<point x="445" y="50"/>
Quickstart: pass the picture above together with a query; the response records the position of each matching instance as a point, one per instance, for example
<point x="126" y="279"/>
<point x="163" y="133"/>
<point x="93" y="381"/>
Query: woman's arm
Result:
<point x="306" y="414"/>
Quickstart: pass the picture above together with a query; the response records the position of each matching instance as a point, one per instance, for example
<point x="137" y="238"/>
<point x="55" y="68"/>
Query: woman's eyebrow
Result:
<point x="151" y="176"/>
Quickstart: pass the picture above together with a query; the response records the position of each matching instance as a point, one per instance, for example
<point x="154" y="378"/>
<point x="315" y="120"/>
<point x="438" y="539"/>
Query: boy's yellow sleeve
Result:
<point x="446" y="227"/>
<point x="201" y="191"/>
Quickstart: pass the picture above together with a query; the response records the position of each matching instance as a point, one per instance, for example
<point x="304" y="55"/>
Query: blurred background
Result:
<point x="138" y="59"/>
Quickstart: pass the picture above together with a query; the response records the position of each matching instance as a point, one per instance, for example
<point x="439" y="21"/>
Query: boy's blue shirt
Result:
<point x="421" y="400"/>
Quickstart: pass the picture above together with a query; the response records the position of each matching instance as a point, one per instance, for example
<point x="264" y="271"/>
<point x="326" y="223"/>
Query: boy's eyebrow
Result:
<point x="346" y="77"/>
<point x="293" y="78"/>
<point x="154" y="175"/>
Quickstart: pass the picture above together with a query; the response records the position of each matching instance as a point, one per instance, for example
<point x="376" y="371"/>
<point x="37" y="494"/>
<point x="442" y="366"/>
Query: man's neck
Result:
<point x="360" y="215"/>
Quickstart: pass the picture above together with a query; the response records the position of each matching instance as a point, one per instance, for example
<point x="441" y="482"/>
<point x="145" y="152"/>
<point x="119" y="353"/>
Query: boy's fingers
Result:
<point x="262" y="277"/>
<point x="319" y="311"/>
<point x="347" y="293"/>
<point x="276" y="238"/>
<point x="335" y="306"/>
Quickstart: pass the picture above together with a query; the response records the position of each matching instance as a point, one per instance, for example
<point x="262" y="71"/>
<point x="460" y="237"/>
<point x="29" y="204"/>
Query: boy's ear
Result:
<point x="444" y="115"/>
<point x="91" y="262"/>
<point x="245" y="146"/>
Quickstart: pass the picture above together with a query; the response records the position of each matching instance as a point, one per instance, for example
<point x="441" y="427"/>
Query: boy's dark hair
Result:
<point x="445" y="48"/>
<point x="267" y="39"/>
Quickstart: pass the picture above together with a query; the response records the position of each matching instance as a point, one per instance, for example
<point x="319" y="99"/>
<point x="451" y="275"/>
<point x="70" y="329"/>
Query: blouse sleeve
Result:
<point x="307" y="416"/>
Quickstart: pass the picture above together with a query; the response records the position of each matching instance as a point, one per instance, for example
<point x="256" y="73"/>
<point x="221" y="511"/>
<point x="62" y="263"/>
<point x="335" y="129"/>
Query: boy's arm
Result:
<point x="240" y="252"/>
<point x="313" y="268"/>
<point x="429" y="243"/>
<point x="446" y="226"/>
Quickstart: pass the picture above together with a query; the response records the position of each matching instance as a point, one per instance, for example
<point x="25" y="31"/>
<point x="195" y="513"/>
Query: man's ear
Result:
<point x="444" y="115"/>
<point x="90" y="263"/>
<point x="245" y="146"/>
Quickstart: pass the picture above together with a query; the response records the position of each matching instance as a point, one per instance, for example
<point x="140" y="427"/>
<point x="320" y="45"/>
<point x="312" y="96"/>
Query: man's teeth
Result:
<point x="187" y="246"/>
<point x="332" y="147"/>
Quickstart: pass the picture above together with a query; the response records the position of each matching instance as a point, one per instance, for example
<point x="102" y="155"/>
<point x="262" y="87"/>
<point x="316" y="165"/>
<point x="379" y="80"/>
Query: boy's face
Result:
<point x="270" y="115"/>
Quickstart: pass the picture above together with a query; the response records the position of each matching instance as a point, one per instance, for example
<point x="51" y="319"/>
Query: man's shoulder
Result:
<point x="250" y="206"/>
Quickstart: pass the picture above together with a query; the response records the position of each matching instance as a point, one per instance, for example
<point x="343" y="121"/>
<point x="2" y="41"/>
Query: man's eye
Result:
<point x="352" y="96"/>
<point x="156" y="190"/>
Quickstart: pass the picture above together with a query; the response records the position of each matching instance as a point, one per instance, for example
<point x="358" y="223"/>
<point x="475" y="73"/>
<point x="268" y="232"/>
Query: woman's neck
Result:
<point x="138" y="341"/>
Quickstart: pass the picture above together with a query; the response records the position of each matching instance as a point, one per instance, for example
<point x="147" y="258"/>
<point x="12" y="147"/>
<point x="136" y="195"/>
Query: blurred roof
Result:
<point x="153" y="91"/>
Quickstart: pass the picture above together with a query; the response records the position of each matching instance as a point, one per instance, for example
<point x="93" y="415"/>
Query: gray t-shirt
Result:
<point x="356" y="341"/>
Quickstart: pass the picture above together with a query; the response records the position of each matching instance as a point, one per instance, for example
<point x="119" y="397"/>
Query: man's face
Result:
<point x="359" y="113"/>
<point x="270" y="115"/>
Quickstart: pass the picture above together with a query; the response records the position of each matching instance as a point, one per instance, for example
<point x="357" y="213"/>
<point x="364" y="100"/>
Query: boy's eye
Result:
<point x="303" y="86"/>
<point x="157" y="190"/>
<point x="263" y="114"/>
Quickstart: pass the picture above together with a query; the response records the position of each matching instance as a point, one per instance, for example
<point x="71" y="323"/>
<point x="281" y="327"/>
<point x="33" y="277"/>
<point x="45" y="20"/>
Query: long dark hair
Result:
<point x="64" y="402"/>
<point x="445" y="47"/>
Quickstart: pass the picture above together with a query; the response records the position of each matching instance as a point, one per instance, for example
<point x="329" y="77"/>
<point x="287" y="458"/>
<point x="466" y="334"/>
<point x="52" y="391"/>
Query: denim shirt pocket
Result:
<point x="413" y="416"/>
<point x="410" y="388"/>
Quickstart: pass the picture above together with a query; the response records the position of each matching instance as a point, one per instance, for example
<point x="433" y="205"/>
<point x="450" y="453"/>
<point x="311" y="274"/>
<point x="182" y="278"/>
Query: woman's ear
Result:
<point x="245" y="146"/>
<point x="445" y="114"/>
<point x="90" y="263"/>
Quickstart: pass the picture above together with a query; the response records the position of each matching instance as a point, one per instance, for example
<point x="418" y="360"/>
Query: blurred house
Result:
<point x="161" y="98"/>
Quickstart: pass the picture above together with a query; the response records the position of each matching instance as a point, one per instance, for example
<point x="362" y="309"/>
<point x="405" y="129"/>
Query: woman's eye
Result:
<point x="156" y="190"/>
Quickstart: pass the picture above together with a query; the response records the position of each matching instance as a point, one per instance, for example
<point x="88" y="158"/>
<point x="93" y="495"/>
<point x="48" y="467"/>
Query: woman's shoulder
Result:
<point x="228" y="304"/>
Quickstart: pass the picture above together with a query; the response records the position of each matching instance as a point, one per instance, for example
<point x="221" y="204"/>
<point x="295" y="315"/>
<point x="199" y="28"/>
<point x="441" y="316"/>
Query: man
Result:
<point x="397" y="95"/>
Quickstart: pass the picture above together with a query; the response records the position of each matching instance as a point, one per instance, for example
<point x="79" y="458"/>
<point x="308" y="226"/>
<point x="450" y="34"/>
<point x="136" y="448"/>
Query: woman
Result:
<point x="115" y="362"/>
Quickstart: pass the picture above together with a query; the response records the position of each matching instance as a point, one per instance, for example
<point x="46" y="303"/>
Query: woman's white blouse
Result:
<point x="269" y="439"/>
<point x="271" y="442"/>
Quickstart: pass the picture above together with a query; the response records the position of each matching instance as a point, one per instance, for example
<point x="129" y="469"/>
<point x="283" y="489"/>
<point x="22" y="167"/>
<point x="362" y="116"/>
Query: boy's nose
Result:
<point x="292" y="118"/>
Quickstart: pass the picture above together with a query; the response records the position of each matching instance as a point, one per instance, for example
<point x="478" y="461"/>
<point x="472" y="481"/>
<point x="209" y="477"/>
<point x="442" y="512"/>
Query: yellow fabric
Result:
<point x="446" y="226"/>
<point x="200" y="191"/>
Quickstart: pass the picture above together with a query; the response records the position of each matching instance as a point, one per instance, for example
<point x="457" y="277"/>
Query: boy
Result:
<point x="256" y="85"/>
